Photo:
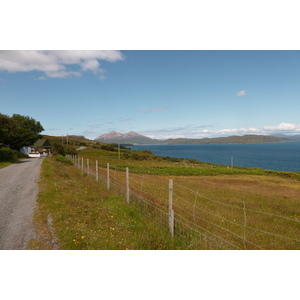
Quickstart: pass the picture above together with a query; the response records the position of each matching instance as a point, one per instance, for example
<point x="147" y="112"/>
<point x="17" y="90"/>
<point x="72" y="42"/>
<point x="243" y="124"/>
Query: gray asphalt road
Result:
<point x="18" y="192"/>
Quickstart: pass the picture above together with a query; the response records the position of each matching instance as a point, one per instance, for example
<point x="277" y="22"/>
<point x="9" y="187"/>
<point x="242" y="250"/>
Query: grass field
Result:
<point x="215" y="207"/>
<point x="85" y="216"/>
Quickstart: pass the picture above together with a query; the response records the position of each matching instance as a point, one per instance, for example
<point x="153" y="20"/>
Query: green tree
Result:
<point x="18" y="131"/>
<point x="28" y="123"/>
<point x="7" y="127"/>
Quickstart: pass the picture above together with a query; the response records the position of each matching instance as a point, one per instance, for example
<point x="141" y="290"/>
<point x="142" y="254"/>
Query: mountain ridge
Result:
<point x="136" y="138"/>
<point x="128" y="138"/>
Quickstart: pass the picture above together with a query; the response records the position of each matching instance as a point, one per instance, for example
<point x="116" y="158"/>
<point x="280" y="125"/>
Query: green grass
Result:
<point x="212" y="198"/>
<point x="4" y="164"/>
<point x="63" y="159"/>
<point x="86" y="216"/>
<point x="164" y="166"/>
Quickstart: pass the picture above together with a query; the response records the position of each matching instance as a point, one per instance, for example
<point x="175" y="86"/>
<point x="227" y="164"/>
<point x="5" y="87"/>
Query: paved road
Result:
<point x="18" y="192"/>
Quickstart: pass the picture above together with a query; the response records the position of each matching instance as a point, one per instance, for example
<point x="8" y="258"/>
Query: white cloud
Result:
<point x="56" y="63"/>
<point x="198" y="132"/>
<point x="241" y="93"/>
<point x="238" y="131"/>
<point x="90" y="65"/>
<point x="285" y="127"/>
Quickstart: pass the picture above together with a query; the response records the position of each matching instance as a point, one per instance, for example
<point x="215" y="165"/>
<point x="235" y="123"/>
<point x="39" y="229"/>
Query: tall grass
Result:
<point x="85" y="216"/>
<point x="227" y="211"/>
<point x="240" y="211"/>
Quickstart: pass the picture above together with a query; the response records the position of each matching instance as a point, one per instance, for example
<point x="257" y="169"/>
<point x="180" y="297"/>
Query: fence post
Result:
<point x="107" y="179"/>
<point x="97" y="177"/>
<point x="88" y="166"/>
<point x="127" y="185"/>
<point x="245" y="225"/>
<point x="82" y="164"/>
<point x="171" y="211"/>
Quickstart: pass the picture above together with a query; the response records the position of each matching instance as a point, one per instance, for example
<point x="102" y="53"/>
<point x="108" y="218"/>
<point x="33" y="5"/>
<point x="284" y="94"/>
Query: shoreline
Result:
<point x="257" y="156"/>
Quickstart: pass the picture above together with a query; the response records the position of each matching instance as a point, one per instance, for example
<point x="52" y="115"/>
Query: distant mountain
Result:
<point x="290" y="137"/>
<point x="128" y="138"/>
<point x="245" y="139"/>
<point x="136" y="138"/>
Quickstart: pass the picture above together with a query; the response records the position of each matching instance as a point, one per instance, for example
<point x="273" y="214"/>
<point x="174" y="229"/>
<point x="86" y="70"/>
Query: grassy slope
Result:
<point x="82" y="210"/>
<point x="271" y="192"/>
<point x="155" y="165"/>
<point x="86" y="216"/>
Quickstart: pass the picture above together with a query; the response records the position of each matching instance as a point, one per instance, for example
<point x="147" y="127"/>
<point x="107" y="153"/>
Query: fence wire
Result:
<point x="199" y="221"/>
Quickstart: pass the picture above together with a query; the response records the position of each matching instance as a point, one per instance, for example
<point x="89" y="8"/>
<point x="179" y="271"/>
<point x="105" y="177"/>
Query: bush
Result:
<point x="57" y="148"/>
<point x="7" y="154"/>
<point x="70" y="151"/>
<point x="63" y="159"/>
<point x="108" y="147"/>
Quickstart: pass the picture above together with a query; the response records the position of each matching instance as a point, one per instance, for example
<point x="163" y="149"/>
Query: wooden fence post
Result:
<point x="82" y="164"/>
<point x="171" y="211"/>
<point x="245" y="225"/>
<point x="127" y="185"/>
<point x="88" y="166"/>
<point x="97" y="176"/>
<point x="107" y="177"/>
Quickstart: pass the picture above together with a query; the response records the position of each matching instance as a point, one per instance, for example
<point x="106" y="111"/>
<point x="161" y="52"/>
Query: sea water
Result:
<point x="267" y="156"/>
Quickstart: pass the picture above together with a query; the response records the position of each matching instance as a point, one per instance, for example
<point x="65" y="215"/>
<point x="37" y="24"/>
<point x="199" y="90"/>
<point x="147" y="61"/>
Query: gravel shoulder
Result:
<point x="18" y="193"/>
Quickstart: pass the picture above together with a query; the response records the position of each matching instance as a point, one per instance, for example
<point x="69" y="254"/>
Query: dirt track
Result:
<point x="18" y="192"/>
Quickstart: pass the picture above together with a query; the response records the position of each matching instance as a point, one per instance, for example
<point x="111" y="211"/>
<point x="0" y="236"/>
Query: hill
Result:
<point x="74" y="140"/>
<point x="136" y="138"/>
<point x="246" y="139"/>
<point x="295" y="137"/>
<point x="128" y="138"/>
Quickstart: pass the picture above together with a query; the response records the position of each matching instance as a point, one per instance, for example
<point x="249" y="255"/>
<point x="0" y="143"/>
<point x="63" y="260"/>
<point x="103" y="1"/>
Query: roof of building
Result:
<point x="42" y="143"/>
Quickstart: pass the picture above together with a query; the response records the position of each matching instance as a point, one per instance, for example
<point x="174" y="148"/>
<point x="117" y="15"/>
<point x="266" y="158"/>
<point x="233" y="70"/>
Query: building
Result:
<point x="40" y="148"/>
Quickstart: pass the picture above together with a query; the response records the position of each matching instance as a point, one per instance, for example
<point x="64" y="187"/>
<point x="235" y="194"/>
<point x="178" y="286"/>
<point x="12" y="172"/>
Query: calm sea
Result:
<point x="269" y="156"/>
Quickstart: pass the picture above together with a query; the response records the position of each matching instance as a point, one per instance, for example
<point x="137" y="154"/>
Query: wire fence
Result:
<point x="195" y="220"/>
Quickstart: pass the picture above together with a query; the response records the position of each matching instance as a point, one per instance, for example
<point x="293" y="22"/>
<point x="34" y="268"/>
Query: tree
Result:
<point x="7" y="127"/>
<point x="18" y="131"/>
<point x="28" y="123"/>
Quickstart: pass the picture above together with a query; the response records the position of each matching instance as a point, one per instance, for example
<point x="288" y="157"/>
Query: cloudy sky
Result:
<point x="160" y="94"/>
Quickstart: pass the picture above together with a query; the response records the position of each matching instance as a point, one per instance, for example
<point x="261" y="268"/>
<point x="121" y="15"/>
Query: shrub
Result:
<point x="108" y="147"/>
<point x="70" y="151"/>
<point x="8" y="154"/>
<point x="57" y="148"/>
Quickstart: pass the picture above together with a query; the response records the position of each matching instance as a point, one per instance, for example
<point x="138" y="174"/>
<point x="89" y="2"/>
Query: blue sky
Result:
<point x="160" y="94"/>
